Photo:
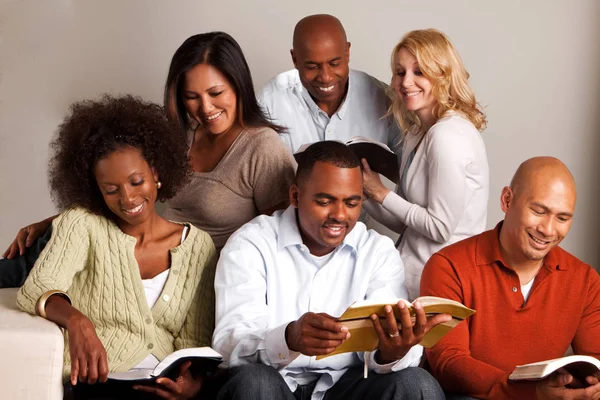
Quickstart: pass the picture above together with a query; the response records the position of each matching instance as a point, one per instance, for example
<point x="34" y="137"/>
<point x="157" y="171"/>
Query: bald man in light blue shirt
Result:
<point x="322" y="99"/>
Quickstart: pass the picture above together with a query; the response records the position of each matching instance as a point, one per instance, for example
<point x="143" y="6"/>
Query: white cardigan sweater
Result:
<point x="447" y="187"/>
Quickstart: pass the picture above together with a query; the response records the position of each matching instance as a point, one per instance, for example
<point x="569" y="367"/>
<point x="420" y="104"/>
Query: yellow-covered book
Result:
<point x="363" y="337"/>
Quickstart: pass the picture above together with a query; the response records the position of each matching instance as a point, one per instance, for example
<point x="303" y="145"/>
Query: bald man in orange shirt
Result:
<point x="533" y="299"/>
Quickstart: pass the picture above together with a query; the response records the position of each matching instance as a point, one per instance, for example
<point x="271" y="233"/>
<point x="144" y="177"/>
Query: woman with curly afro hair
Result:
<point x="128" y="286"/>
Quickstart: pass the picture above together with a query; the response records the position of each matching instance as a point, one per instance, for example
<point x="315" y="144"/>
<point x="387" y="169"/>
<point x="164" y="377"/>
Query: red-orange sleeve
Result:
<point x="588" y="331"/>
<point x="450" y="359"/>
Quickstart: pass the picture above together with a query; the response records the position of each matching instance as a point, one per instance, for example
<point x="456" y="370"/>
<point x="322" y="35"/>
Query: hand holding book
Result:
<point x="315" y="334"/>
<point x="396" y="340"/>
<point x="576" y="376"/>
<point x="372" y="185"/>
<point x="364" y="336"/>
<point x="185" y="386"/>
<point x="562" y="385"/>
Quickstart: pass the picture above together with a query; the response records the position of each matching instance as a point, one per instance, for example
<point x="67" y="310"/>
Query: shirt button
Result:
<point x="150" y="346"/>
<point x="281" y="356"/>
<point x="174" y="250"/>
<point x="166" y="297"/>
<point x="514" y="289"/>
<point x="148" y="320"/>
<point x="175" y="272"/>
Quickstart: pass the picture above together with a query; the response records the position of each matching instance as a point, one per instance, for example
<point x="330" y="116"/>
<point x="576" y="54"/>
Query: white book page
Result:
<point x="374" y="302"/>
<point x="362" y="139"/>
<point x="131" y="375"/>
<point x="206" y="352"/>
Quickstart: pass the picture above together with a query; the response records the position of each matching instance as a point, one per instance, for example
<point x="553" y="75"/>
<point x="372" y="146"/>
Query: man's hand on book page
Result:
<point x="559" y="386"/>
<point x="185" y="387"/>
<point x="315" y="334"/>
<point x="394" y="341"/>
<point x="89" y="363"/>
<point x="372" y="185"/>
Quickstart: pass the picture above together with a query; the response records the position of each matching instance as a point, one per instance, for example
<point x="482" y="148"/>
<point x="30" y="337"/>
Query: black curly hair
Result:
<point x="94" y="129"/>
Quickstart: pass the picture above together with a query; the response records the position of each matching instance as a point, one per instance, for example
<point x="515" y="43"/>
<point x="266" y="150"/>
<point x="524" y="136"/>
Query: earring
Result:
<point x="158" y="184"/>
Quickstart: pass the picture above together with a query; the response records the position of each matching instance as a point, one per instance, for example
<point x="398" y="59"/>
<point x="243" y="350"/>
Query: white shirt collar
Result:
<point x="314" y="108"/>
<point x="289" y="232"/>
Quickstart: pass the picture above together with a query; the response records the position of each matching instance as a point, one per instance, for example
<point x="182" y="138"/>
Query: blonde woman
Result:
<point x="443" y="190"/>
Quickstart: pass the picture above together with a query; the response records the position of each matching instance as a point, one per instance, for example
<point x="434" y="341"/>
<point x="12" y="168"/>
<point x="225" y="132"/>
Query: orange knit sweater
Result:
<point x="476" y="358"/>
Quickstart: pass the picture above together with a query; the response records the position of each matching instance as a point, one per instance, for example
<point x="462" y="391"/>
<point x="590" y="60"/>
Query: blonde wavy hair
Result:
<point x="440" y="63"/>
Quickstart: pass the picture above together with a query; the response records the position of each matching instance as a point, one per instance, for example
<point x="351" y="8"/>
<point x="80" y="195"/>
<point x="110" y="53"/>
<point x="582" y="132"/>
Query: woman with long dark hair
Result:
<point x="241" y="167"/>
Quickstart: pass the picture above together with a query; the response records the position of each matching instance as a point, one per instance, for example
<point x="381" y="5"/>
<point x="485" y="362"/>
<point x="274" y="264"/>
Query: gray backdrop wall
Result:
<point x="534" y="67"/>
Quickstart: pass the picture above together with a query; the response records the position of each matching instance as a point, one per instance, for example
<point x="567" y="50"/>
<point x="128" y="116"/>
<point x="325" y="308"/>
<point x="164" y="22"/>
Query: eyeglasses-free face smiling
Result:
<point x="537" y="218"/>
<point x="328" y="203"/>
<point x="324" y="70"/>
<point x="411" y="86"/>
<point x="210" y="99"/>
<point x="128" y="185"/>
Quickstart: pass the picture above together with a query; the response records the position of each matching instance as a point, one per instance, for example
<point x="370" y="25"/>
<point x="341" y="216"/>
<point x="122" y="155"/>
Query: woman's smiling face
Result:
<point x="128" y="185"/>
<point x="411" y="86"/>
<point x="209" y="98"/>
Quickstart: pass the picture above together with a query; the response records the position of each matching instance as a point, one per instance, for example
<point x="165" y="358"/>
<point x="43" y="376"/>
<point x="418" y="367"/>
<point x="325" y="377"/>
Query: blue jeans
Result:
<point x="258" y="381"/>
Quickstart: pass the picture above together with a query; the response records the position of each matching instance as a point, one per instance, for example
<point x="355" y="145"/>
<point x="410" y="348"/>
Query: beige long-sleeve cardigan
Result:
<point x="92" y="260"/>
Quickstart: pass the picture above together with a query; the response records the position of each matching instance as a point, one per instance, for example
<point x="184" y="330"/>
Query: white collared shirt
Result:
<point x="267" y="278"/>
<point x="289" y="104"/>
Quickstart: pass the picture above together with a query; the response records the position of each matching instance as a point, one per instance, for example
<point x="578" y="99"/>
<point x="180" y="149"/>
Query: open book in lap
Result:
<point x="578" y="366"/>
<point x="205" y="361"/>
<point x="379" y="156"/>
<point x="363" y="337"/>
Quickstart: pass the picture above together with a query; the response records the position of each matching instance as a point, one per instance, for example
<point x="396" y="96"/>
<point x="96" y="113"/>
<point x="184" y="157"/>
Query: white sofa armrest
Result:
<point x="31" y="353"/>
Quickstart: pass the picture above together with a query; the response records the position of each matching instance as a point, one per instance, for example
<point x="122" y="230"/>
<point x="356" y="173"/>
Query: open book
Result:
<point x="578" y="366"/>
<point x="363" y="337"/>
<point x="204" y="362"/>
<point x="379" y="156"/>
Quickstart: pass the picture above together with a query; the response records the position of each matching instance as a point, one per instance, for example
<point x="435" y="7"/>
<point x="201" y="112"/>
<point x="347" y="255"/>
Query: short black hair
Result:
<point x="94" y="129"/>
<point x="221" y="51"/>
<point x="328" y="151"/>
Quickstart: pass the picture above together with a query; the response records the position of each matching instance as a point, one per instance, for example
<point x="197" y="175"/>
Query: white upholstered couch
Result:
<point x="31" y="354"/>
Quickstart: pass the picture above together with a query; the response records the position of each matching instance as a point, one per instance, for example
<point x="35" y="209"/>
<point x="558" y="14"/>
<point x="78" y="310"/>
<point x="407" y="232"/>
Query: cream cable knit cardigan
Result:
<point x="91" y="259"/>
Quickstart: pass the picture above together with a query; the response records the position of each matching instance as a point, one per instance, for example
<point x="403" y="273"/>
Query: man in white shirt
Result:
<point x="322" y="99"/>
<point x="281" y="280"/>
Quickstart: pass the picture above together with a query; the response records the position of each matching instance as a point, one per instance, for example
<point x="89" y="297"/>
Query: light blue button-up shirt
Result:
<point x="362" y="112"/>
<point x="267" y="278"/>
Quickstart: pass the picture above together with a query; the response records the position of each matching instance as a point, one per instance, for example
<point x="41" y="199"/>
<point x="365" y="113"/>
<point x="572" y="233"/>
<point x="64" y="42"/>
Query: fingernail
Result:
<point x="417" y="305"/>
<point x="402" y="305"/>
<point x="348" y="336"/>
<point x="388" y="309"/>
<point x="344" y="328"/>
<point x="373" y="317"/>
